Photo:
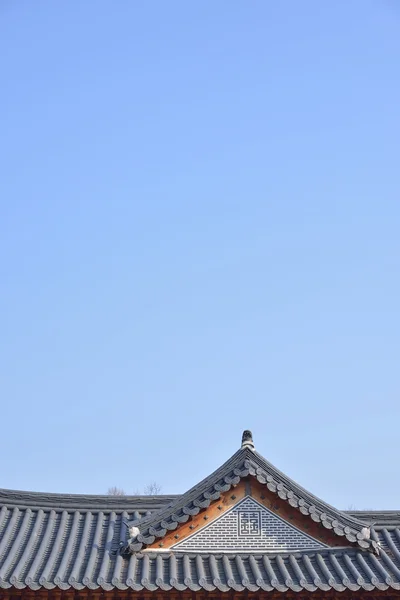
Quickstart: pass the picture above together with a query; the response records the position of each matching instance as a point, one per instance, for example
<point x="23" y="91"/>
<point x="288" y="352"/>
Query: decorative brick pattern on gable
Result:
<point x="249" y="526"/>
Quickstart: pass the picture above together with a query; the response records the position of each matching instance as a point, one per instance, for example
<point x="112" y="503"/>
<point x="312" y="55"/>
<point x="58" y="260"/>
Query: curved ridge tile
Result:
<point x="44" y="577"/>
<point x="339" y="571"/>
<point x="116" y="575"/>
<point x="244" y="462"/>
<point x="31" y="577"/>
<point x="15" y="548"/>
<point x="80" y="556"/>
<point x="9" y="530"/>
<point x="315" y="578"/>
<point x="32" y="540"/>
<point x="60" y="578"/>
<point x="385" y="576"/>
<point x="393" y="568"/>
<point x="88" y="579"/>
<point x="329" y="576"/>
<point x="105" y="563"/>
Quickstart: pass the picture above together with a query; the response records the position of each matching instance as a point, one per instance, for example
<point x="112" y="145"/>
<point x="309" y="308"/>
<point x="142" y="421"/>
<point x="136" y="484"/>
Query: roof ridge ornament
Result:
<point x="247" y="439"/>
<point x="246" y="462"/>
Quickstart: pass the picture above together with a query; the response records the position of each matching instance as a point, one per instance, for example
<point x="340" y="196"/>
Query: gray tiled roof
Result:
<point x="59" y="547"/>
<point x="55" y="541"/>
<point x="247" y="462"/>
<point x="379" y="517"/>
<point x="72" y="541"/>
<point x="140" y="506"/>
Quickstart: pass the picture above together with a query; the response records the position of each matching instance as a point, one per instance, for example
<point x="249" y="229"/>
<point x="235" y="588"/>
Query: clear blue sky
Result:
<point x="199" y="233"/>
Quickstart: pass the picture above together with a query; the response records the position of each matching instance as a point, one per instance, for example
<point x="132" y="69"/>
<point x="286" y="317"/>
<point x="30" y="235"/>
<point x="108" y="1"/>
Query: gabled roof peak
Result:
<point x="246" y="462"/>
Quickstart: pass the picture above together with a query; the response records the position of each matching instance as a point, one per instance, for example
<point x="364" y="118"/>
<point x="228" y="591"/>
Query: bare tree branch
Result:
<point x="115" y="491"/>
<point x="152" y="489"/>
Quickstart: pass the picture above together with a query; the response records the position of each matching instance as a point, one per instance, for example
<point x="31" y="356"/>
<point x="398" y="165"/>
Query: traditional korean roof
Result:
<point x="244" y="463"/>
<point x="55" y="541"/>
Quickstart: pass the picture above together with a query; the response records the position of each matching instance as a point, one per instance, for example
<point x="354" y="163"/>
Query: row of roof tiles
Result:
<point x="74" y="549"/>
<point x="142" y="505"/>
<point x="55" y="541"/>
<point x="246" y="462"/>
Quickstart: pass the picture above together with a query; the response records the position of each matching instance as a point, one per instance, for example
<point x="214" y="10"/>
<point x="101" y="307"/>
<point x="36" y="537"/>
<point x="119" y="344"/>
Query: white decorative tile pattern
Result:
<point x="249" y="523"/>
<point x="248" y="527"/>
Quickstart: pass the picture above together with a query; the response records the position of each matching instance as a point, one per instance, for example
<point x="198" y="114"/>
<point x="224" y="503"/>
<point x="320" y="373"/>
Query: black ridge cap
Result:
<point x="376" y="518"/>
<point x="290" y="484"/>
<point x="193" y="493"/>
<point x="244" y="462"/>
<point x="82" y="502"/>
<point x="130" y="503"/>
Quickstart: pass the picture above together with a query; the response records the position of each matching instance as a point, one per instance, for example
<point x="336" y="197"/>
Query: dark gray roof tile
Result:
<point x="244" y="462"/>
<point x="139" y="505"/>
<point x="48" y="548"/>
<point x="75" y="541"/>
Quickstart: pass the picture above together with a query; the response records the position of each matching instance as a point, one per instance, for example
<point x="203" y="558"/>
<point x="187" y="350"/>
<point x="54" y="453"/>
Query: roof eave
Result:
<point x="247" y="462"/>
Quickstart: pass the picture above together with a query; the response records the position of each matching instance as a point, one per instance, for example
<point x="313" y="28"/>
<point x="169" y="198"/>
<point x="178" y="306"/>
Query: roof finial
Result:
<point x="247" y="439"/>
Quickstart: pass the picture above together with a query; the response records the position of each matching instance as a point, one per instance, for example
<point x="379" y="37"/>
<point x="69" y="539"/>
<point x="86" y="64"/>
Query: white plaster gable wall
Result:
<point x="248" y="527"/>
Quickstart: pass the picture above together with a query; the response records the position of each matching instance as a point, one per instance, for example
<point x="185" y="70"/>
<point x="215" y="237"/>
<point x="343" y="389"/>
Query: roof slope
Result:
<point x="247" y="462"/>
<point x="58" y="547"/>
<point x="140" y="506"/>
<point x="73" y="541"/>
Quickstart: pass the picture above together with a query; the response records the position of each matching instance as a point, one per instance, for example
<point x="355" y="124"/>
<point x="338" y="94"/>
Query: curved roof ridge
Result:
<point x="374" y="513"/>
<point x="246" y="461"/>
<point x="303" y="493"/>
<point x="196" y="490"/>
<point x="337" y="569"/>
<point x="377" y="518"/>
<point x="72" y="502"/>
